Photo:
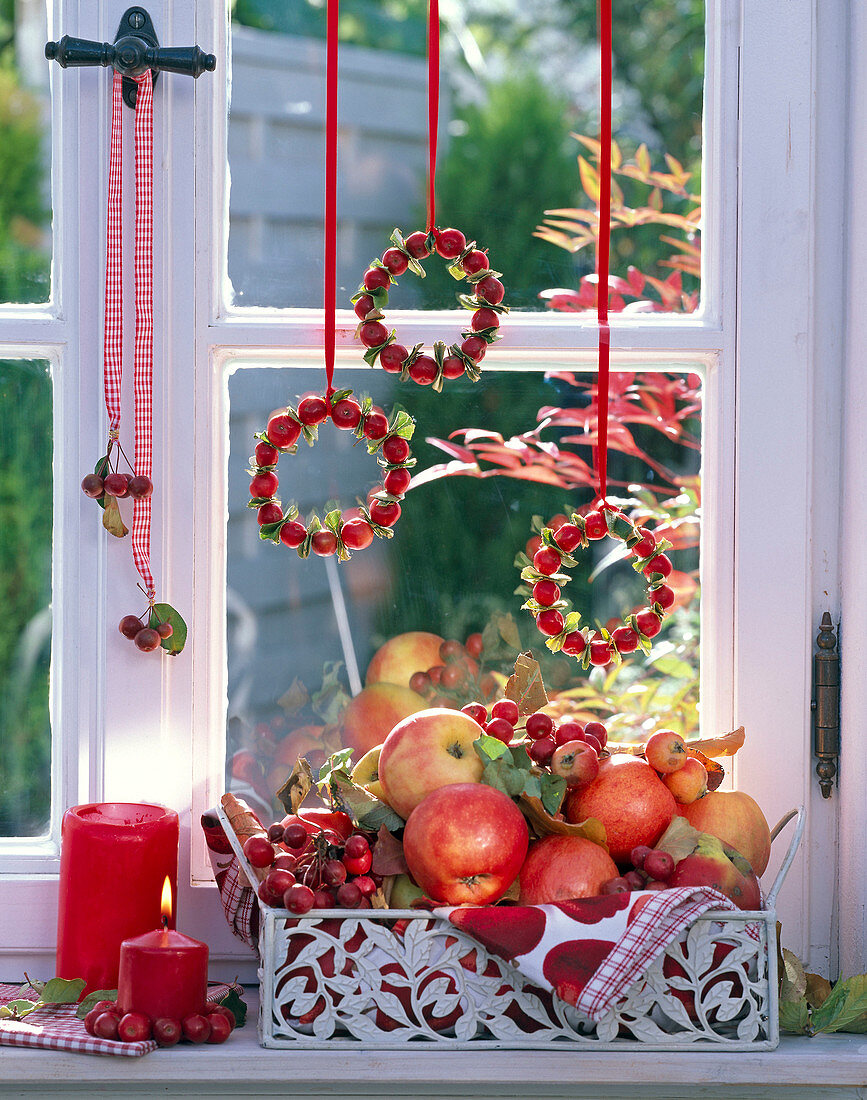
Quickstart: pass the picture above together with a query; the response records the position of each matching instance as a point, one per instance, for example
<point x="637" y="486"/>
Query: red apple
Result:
<point x="737" y="820"/>
<point x="577" y="762"/>
<point x="716" y="864"/>
<point x="401" y="656"/>
<point x="374" y="712"/>
<point x="689" y="782"/>
<point x="465" y="843"/>
<point x="630" y="800"/>
<point x="666" y="752"/>
<point x="428" y="750"/>
<point x="561" y="867"/>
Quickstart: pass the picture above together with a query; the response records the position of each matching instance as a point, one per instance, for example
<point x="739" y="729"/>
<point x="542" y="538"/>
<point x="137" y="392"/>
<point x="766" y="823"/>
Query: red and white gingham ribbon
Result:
<point x="144" y="319"/>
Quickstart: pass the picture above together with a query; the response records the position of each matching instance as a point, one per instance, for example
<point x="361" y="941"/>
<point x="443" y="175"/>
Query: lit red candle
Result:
<point x="114" y="858"/>
<point x="163" y="973"/>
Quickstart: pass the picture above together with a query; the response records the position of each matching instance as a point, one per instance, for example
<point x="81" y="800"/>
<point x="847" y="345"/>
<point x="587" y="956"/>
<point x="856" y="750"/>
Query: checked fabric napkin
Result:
<point x="56" y="1027"/>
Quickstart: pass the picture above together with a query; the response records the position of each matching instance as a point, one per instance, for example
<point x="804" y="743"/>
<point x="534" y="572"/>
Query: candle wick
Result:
<point x="165" y="922"/>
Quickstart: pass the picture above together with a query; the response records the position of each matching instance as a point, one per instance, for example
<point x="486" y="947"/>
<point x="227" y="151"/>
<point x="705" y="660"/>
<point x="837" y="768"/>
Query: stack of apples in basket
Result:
<point x="508" y="801"/>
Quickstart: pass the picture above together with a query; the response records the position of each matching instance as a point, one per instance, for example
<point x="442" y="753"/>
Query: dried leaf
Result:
<point x="379" y="900"/>
<point x="525" y="685"/>
<point x="112" y="520"/>
<point x="725" y="745"/>
<point x="716" y="773"/>
<point x="818" y="990"/>
<point x="297" y="786"/>
<point x="295" y="698"/>
<point x="793" y="980"/>
<point x="514" y="891"/>
<point x="679" y="839"/>
<point x="388" y="857"/>
<point x="547" y="825"/>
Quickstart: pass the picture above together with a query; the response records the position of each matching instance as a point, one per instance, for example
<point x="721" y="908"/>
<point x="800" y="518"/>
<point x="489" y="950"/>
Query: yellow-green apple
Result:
<point x="366" y="772"/>
<point x="689" y="782"/>
<point x="425" y="751"/>
<point x="737" y="820"/>
<point x="374" y="712"/>
<point x="666" y="752"/>
<point x="402" y="655"/>
<point x="404" y="892"/>
<point x="630" y="800"/>
<point x="561" y="867"/>
<point x="576" y="762"/>
<point x="715" y="864"/>
<point x="465" y="843"/>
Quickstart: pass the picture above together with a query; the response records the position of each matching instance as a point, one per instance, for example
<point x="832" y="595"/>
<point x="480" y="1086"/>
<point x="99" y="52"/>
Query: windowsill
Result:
<point x="833" y="1063"/>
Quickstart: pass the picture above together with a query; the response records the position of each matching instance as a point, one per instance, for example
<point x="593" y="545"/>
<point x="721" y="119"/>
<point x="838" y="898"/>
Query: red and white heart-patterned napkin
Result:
<point x="587" y="952"/>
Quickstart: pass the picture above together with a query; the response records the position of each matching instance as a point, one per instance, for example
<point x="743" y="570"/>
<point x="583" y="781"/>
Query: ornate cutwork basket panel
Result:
<point x="385" y="978"/>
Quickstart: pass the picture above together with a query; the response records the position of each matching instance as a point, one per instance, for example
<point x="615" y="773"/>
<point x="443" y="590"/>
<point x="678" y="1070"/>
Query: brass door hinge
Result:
<point x="826" y="705"/>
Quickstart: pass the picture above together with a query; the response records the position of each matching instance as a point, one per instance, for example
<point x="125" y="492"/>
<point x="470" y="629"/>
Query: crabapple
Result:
<point x="550" y="622"/>
<point x="373" y="334"/>
<point x="346" y="413"/>
<point x="450" y="243"/>
<point x="597" y="730"/>
<point x="476" y="711"/>
<point x="293" y="533"/>
<point x="546" y="560"/>
<point x="397" y="481"/>
<point x="259" y="851"/>
<point x="312" y="409"/>
<point x="501" y="729"/>
<point x="416" y="245"/>
<point x="577" y="762"/>
<point x="363" y="306"/>
<point x="92" y="486"/>
<point x="625" y="638"/>
<point x="376" y="277"/>
<point x="356" y="533"/>
<point x="658" y="564"/>
<point x="453" y="366"/>
<point x="484" y="318"/>
<point x="474" y="347"/>
<point x="546" y="593"/>
<point x="395" y="449"/>
<point x="490" y="290"/>
<point x="568" y="537"/>
<point x="539" y="725"/>
<point x="196" y="1028"/>
<point x="595" y="526"/>
<point x="324" y="543"/>
<point x="505" y="708"/>
<point x="392" y="357"/>
<point x="375" y="424"/>
<point x="283" y="430"/>
<point x="395" y="260"/>
<point x="666" y="752"/>
<point x="648" y="622"/>
<point x="129" y="626"/>
<point x="475" y="261"/>
<point x="574" y="643"/>
<point x="147" y="640"/>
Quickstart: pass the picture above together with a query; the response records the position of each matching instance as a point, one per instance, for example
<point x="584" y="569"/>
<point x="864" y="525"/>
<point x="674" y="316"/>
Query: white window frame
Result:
<point x="128" y="728"/>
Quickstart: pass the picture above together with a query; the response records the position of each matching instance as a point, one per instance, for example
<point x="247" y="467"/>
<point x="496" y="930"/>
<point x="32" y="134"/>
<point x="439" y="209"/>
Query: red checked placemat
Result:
<point x="55" y="1027"/>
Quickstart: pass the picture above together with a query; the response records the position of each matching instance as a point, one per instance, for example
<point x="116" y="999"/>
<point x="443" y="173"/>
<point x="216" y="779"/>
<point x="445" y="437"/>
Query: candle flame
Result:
<point x="166" y="902"/>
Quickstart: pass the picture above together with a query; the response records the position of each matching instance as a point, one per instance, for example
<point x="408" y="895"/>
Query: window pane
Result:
<point x="25" y="152"/>
<point x="25" y="595"/>
<point x="450" y="567"/>
<point x="519" y="80"/>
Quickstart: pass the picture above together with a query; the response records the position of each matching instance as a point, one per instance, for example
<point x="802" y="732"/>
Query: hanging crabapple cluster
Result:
<point x="212" y="1025"/>
<point x="548" y="574"/>
<point x="465" y="262"/>
<point x="313" y="868"/>
<point x="145" y="637"/>
<point x="338" y="532"/>
<point x="107" y="482"/>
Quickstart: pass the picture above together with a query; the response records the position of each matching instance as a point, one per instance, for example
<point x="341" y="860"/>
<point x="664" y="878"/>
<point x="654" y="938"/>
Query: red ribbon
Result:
<point x="603" y="247"/>
<point x="144" y="322"/>
<point x="330" y="258"/>
<point x="433" y="105"/>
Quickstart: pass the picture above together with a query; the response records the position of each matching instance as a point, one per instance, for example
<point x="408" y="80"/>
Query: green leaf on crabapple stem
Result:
<point x="102" y="468"/>
<point x="63" y="991"/>
<point x="165" y="613"/>
<point x="553" y="789"/>
<point x="92" y="999"/>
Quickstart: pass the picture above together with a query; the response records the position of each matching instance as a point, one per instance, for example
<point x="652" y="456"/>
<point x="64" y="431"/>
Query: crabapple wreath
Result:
<point x="548" y="574"/>
<point x="338" y="532"/>
<point x="465" y="261"/>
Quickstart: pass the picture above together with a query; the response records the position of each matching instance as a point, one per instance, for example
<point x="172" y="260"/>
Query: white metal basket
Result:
<point x="384" y="978"/>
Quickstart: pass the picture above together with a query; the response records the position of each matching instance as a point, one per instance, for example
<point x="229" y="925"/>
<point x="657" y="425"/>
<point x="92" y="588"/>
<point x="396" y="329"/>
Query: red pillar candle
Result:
<point x="163" y="974"/>
<point x="114" y="859"/>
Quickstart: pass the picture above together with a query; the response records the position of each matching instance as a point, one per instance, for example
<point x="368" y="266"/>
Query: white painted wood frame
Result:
<point x="767" y="342"/>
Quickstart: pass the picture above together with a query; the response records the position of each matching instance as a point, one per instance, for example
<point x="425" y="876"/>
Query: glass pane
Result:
<point x="296" y="626"/>
<point x="25" y="595"/>
<point x="519" y="81"/>
<point x="25" y="154"/>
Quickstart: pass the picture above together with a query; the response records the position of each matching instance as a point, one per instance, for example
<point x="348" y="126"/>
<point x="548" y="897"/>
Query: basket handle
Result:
<point x="800" y="813"/>
<point x="237" y="848"/>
